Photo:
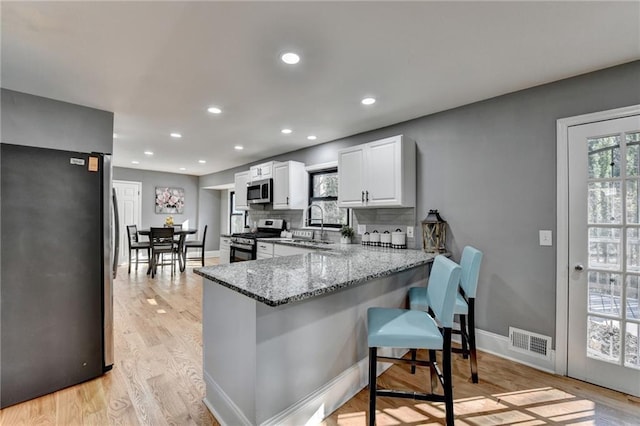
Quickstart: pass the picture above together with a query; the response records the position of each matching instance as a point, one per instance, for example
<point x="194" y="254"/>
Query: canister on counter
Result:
<point x="375" y="238"/>
<point x="399" y="239"/>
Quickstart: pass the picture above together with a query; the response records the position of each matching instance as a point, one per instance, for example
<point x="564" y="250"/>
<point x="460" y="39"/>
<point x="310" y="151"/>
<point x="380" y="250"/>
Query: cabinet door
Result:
<point x="283" y="250"/>
<point x="261" y="171"/>
<point x="351" y="174"/>
<point x="241" y="181"/>
<point x="383" y="173"/>
<point x="254" y="173"/>
<point x="264" y="250"/>
<point x="266" y="170"/>
<point x="281" y="184"/>
<point x="225" y="250"/>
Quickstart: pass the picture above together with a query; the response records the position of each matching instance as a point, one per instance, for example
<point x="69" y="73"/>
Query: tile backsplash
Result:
<point x="374" y="219"/>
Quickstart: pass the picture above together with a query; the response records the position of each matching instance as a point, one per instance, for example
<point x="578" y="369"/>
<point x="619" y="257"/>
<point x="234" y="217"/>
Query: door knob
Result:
<point x="579" y="267"/>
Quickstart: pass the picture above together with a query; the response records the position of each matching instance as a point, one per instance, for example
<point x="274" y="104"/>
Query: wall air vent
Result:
<point x="529" y="343"/>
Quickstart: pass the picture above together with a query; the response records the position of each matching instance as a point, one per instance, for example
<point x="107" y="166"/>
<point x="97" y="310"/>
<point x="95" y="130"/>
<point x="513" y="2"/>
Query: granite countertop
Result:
<point x="288" y="279"/>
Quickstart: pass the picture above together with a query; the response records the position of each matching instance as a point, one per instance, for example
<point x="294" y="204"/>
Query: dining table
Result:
<point x="182" y="233"/>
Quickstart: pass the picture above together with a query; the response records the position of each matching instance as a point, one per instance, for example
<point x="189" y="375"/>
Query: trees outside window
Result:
<point x="323" y="191"/>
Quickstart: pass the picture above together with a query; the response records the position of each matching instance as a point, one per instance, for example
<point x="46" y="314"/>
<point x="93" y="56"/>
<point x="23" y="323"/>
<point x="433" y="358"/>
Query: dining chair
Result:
<point x="162" y="243"/>
<point x="465" y="305"/>
<point x="412" y="328"/>
<point x="178" y="248"/>
<point x="196" y="244"/>
<point x="136" y="245"/>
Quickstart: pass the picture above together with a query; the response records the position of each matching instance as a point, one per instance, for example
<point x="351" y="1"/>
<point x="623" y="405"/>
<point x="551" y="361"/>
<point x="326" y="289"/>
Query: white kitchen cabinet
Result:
<point x="378" y="174"/>
<point x="225" y="249"/>
<point x="241" y="181"/>
<point x="261" y="171"/>
<point x="264" y="250"/>
<point x="290" y="186"/>
<point x="284" y="250"/>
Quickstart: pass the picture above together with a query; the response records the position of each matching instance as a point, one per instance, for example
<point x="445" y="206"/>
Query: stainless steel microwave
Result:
<point x="259" y="192"/>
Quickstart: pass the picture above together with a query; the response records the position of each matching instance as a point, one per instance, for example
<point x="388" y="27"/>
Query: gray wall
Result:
<point x="209" y="213"/>
<point x="35" y="121"/>
<point x="490" y="168"/>
<point x="150" y="180"/>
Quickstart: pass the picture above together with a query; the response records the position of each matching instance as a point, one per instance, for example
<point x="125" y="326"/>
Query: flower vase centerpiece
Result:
<point x="168" y="222"/>
<point x="346" y="233"/>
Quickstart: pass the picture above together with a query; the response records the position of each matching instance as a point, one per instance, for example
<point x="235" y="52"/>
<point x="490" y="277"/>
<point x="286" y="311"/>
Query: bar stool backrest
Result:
<point x="470" y="263"/>
<point x="442" y="289"/>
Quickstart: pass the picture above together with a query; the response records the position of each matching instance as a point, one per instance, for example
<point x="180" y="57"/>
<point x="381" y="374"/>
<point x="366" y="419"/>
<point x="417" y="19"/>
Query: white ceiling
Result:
<point x="159" y="65"/>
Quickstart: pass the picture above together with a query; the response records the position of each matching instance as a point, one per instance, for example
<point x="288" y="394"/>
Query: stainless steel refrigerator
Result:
<point x="56" y="270"/>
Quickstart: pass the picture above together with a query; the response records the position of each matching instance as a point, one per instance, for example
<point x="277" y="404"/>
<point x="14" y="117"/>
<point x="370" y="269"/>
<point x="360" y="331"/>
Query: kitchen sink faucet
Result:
<point x="308" y="210"/>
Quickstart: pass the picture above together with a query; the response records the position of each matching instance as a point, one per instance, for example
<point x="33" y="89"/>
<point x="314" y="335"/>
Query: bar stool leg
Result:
<point x="413" y="359"/>
<point x="463" y="336"/>
<point x="472" y="341"/>
<point x="446" y="372"/>
<point x="372" y="385"/>
<point x="433" y="373"/>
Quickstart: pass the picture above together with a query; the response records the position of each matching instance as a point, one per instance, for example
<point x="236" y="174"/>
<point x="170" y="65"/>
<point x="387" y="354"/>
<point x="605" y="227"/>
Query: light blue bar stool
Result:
<point x="465" y="306"/>
<point x="405" y="328"/>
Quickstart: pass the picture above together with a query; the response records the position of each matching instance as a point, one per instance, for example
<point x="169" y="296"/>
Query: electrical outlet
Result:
<point x="362" y="229"/>
<point x="545" y="238"/>
<point x="409" y="231"/>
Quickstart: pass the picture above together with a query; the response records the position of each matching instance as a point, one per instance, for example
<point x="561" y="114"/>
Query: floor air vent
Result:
<point x="529" y="343"/>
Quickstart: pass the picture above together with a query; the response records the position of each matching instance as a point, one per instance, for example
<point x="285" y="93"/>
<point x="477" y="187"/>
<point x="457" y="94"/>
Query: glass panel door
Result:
<point x="604" y="229"/>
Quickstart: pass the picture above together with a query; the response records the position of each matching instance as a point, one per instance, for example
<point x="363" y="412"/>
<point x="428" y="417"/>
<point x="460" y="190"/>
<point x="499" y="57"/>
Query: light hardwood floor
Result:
<point x="157" y="377"/>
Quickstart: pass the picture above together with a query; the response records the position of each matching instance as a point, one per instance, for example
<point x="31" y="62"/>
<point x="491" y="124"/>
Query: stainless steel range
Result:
<point x="243" y="245"/>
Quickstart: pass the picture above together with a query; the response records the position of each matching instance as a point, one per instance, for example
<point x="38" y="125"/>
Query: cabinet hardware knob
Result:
<point x="579" y="267"/>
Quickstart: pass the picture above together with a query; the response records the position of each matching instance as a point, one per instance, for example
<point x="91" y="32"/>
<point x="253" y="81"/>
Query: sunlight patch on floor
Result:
<point x="533" y="396"/>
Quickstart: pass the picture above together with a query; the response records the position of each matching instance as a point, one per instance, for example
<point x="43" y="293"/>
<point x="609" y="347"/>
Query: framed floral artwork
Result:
<point x="169" y="200"/>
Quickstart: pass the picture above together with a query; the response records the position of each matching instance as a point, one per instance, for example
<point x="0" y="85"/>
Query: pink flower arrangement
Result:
<point x="169" y="200"/>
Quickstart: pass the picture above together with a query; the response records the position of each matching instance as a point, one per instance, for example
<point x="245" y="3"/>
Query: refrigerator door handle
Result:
<point x="109" y="262"/>
<point x="116" y="233"/>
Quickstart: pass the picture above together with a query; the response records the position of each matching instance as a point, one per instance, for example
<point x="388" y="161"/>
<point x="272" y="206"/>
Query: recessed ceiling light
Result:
<point x="148" y="153"/>
<point x="290" y="58"/>
<point x="176" y="135"/>
<point x="368" y="101"/>
<point x="238" y="147"/>
<point x="202" y="161"/>
<point x="115" y="136"/>
<point x="286" y="131"/>
<point x="135" y="162"/>
<point x="312" y="137"/>
<point x="214" y="110"/>
<point x="183" y="168"/>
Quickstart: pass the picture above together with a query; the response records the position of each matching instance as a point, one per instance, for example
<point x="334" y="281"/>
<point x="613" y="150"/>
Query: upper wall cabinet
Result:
<point x="290" y="186"/>
<point x="261" y="171"/>
<point x="241" y="181"/>
<point x="378" y="174"/>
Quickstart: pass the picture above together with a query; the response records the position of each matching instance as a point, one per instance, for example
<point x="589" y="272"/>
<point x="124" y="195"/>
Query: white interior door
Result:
<point x="129" y="201"/>
<point x="604" y="253"/>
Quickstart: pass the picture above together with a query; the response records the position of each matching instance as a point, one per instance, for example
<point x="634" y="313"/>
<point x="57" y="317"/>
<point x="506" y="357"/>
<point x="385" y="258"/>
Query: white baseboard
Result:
<point x="499" y="346"/>
<point x="227" y="412"/>
<point x="212" y="253"/>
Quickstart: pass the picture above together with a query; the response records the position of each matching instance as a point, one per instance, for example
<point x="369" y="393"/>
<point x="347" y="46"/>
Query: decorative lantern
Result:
<point x="434" y="233"/>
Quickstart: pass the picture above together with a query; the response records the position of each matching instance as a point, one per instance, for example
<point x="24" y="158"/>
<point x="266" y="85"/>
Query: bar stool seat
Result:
<point x="405" y="328"/>
<point x="402" y="328"/>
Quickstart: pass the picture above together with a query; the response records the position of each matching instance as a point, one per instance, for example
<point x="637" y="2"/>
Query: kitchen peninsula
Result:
<point x="284" y="339"/>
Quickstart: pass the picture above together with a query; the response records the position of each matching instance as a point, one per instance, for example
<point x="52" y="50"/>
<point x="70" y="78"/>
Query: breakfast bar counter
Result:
<point x="284" y="339"/>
